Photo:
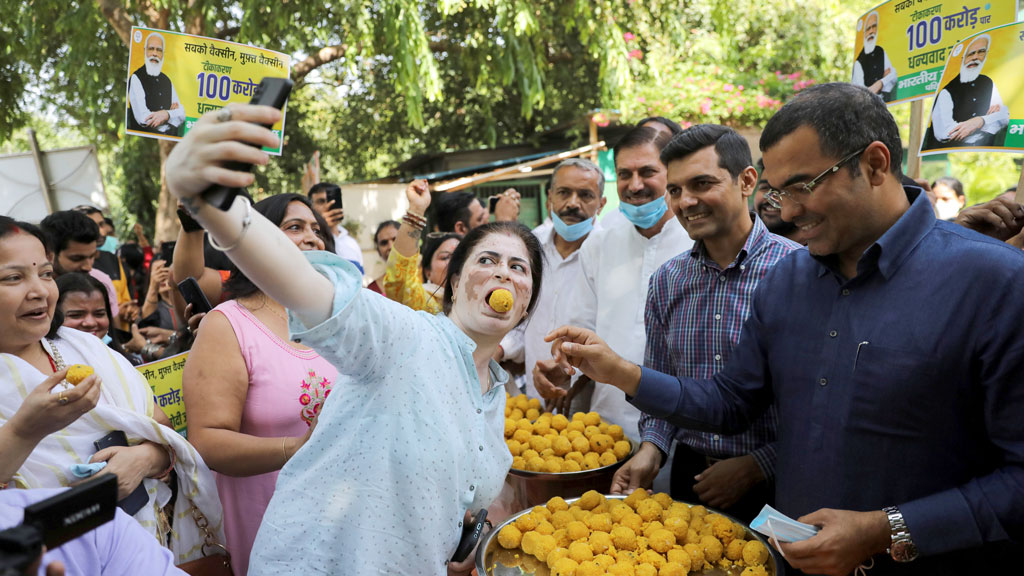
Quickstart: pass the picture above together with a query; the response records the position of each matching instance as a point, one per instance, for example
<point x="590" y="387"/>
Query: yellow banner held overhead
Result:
<point x="164" y="377"/>
<point x="173" y="79"/>
<point x="901" y="45"/>
<point x="979" y="103"/>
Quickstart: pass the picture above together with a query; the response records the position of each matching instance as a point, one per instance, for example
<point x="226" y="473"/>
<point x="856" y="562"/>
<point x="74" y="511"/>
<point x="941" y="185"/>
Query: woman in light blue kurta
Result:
<point x="412" y="436"/>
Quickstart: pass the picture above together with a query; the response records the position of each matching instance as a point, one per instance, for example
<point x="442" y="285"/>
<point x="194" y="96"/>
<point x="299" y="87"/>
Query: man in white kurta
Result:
<point x="610" y="293"/>
<point x="609" y="297"/>
<point x="153" y="104"/>
<point x="575" y="198"/>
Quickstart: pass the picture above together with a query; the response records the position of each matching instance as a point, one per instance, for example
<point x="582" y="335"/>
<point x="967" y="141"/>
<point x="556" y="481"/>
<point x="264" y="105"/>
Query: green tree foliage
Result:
<point x="985" y="176"/>
<point x="398" y="54"/>
<point x="379" y="81"/>
<point x="738" y="60"/>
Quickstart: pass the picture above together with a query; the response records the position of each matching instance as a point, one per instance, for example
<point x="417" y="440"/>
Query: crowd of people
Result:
<point x="814" y="331"/>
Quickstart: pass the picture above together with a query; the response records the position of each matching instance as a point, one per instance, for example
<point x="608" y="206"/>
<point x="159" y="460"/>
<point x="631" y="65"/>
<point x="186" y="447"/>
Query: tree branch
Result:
<point x="195" y="21"/>
<point x="117" y="16"/>
<point x="154" y="18"/>
<point x="160" y="19"/>
<point x="115" y="13"/>
<point x="227" y="32"/>
<point x="317" y="59"/>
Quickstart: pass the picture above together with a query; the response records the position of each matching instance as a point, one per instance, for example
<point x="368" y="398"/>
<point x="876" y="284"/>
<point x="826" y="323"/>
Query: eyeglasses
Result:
<point x="801" y="191"/>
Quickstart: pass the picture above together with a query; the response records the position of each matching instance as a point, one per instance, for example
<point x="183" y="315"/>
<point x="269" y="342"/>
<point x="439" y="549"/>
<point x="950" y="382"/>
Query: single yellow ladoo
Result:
<point x="77" y="373"/>
<point x="500" y="300"/>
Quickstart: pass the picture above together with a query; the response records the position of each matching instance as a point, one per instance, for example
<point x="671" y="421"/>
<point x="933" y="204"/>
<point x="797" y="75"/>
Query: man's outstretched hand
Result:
<point x="578" y="348"/>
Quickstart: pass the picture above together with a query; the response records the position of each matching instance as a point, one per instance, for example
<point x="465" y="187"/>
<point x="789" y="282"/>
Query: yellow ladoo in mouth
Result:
<point x="500" y="300"/>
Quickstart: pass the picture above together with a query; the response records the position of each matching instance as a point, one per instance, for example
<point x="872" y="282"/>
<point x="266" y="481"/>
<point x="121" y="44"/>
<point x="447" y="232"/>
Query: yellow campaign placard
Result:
<point x="979" y="104"/>
<point x="901" y="45"/>
<point x="174" y="78"/>
<point x="164" y="377"/>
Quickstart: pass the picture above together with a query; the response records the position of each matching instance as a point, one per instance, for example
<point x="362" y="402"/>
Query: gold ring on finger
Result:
<point x="62" y="398"/>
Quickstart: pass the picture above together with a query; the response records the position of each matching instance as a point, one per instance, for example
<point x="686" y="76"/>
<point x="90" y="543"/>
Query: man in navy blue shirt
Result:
<point x="901" y="416"/>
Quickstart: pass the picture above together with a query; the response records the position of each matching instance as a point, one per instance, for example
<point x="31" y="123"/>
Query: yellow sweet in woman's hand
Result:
<point x="500" y="300"/>
<point x="77" y="373"/>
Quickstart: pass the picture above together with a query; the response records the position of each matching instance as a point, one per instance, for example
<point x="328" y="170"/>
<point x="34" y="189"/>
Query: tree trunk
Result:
<point x="167" y="224"/>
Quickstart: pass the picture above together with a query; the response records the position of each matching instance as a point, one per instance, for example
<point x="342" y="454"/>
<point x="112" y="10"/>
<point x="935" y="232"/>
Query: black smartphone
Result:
<point x="334" y="198"/>
<point x="494" y="203"/>
<point x="188" y="223"/>
<point x="471" y="532"/>
<point x="139" y="497"/>
<point x="193" y="295"/>
<point x="270" y="92"/>
<point x="167" y="253"/>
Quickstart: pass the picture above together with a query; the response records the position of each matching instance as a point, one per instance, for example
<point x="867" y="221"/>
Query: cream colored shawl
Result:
<point x="126" y="403"/>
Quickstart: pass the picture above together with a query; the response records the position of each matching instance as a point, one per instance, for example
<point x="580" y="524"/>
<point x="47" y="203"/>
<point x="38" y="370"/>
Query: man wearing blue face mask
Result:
<point x="610" y="293"/>
<point x="696" y="306"/>
<point x="574" y="200"/>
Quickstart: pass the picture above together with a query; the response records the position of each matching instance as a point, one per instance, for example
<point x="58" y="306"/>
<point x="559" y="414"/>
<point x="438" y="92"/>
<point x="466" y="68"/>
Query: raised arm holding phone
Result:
<point x="388" y="355"/>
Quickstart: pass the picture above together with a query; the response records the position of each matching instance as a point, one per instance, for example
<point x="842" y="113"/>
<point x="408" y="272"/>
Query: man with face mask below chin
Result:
<point x="872" y="68"/>
<point x="610" y="293"/>
<point x="969" y="110"/>
<point x="153" y="104"/>
<point x="575" y="198"/>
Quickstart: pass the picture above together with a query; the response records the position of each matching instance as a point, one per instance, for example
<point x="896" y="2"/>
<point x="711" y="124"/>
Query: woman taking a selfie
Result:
<point x="412" y="437"/>
<point x="251" y="394"/>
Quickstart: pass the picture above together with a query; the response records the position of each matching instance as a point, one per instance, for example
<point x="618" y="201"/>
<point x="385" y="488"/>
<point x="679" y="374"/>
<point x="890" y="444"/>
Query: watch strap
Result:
<point x="901" y="545"/>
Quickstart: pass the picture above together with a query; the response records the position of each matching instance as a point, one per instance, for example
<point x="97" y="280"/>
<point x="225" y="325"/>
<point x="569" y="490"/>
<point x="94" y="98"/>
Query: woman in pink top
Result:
<point x="251" y="395"/>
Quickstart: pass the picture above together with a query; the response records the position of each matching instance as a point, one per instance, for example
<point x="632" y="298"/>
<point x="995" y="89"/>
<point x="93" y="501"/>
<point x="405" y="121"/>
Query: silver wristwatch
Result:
<point x="901" y="547"/>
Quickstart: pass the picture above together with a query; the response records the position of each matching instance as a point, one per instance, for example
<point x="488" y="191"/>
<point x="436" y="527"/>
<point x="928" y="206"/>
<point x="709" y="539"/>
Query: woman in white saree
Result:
<point x="48" y="427"/>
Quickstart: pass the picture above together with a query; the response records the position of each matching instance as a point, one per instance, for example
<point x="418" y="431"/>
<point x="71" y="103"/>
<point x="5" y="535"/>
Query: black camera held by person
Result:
<point x="57" y="520"/>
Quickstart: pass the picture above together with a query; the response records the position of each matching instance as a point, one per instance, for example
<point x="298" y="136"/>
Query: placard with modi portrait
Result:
<point x="174" y="78"/>
<point x="901" y="45"/>
<point x="979" y="103"/>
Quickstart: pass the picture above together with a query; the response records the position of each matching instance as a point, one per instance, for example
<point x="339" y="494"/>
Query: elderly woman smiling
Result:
<point x="411" y="438"/>
<point x="48" y="427"/>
